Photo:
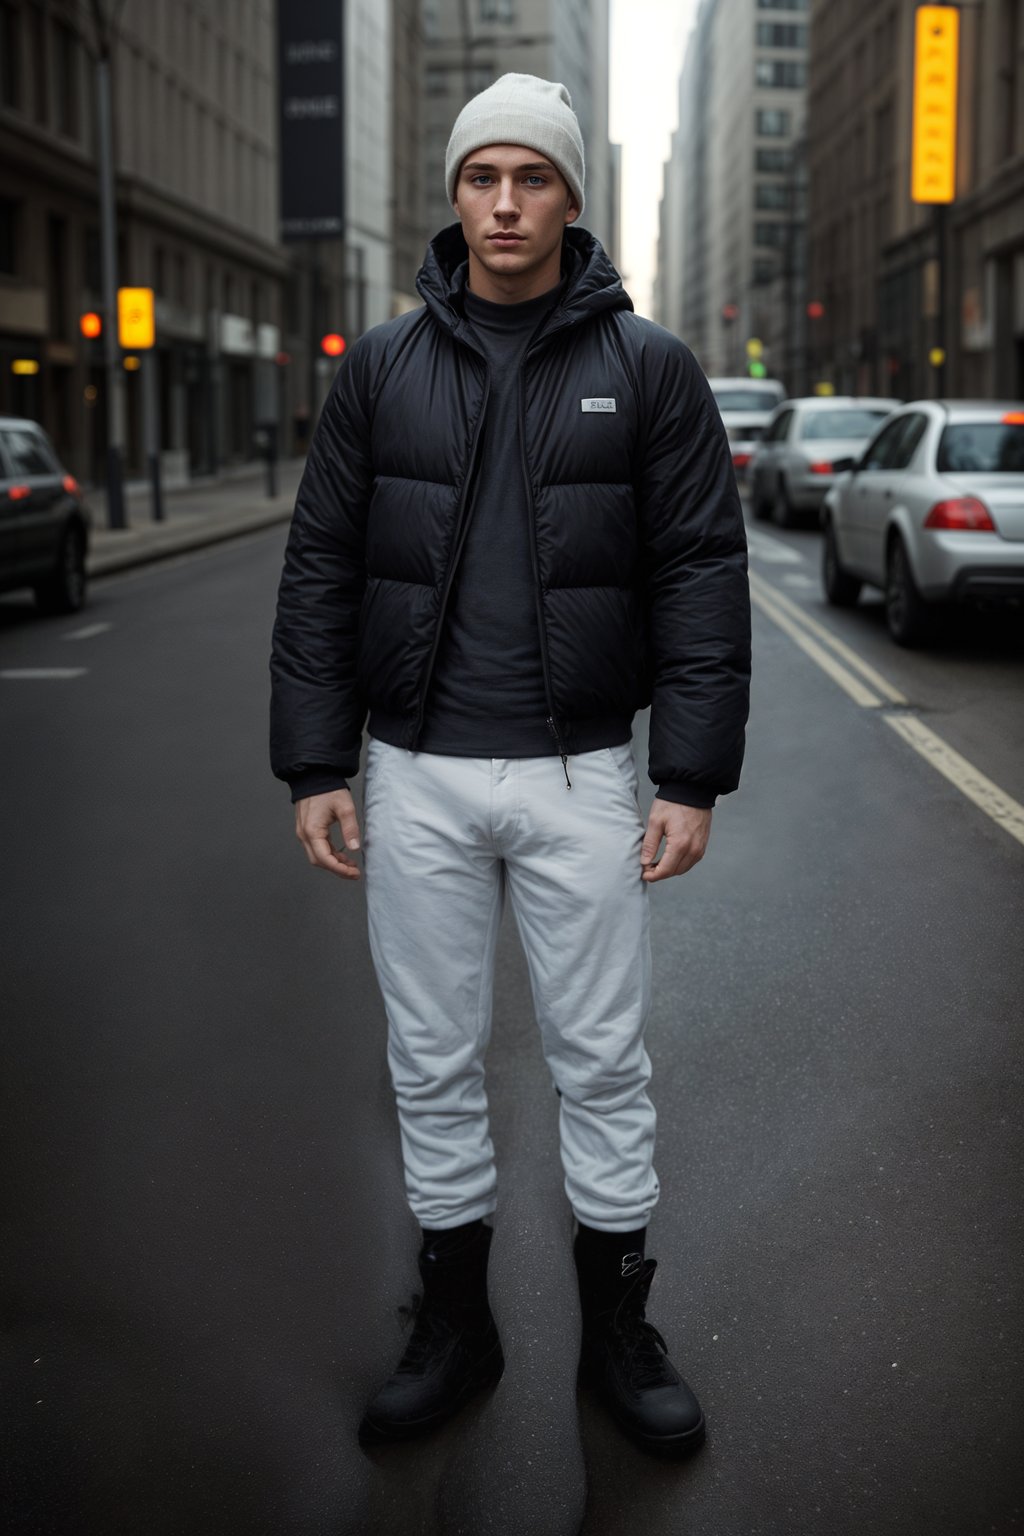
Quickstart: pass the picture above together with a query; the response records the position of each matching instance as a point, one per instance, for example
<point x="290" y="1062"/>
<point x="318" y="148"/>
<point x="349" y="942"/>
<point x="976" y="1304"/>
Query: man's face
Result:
<point x="514" y="206"/>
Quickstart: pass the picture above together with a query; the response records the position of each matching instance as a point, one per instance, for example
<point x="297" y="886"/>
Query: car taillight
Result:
<point x="1013" y="419"/>
<point x="741" y="460"/>
<point x="19" y="492"/>
<point x="961" y="514"/>
<point x="71" y="485"/>
<point x="822" y="467"/>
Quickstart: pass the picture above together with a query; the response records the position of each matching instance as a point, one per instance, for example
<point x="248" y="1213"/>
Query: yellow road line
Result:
<point x="825" y="660"/>
<point x="866" y="670"/>
<point x="1001" y="807"/>
<point x="800" y="627"/>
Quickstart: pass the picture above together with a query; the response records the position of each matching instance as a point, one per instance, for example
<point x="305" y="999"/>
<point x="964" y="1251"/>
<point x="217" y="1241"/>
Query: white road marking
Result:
<point x="31" y="674"/>
<point x="798" y="579"/>
<point x="763" y="547"/>
<point x="962" y="774"/>
<point x="827" y="662"/>
<point x="995" y="802"/>
<point x="870" y="675"/>
<point x="88" y="632"/>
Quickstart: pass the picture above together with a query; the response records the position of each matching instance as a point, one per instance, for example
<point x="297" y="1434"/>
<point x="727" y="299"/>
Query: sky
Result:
<point x="647" y="45"/>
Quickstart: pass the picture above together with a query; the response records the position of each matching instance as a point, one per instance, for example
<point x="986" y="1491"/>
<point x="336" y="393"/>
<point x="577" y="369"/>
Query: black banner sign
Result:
<point x="311" y="110"/>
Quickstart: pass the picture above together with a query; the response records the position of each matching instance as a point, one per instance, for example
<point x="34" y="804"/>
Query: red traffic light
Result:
<point x="730" y="311"/>
<point x="333" y="344"/>
<point x="282" y="359"/>
<point x="90" y="324"/>
<point x="815" y="309"/>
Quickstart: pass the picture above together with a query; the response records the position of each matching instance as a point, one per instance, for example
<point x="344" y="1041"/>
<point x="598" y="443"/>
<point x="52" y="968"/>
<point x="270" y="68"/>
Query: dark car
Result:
<point x="44" y="525"/>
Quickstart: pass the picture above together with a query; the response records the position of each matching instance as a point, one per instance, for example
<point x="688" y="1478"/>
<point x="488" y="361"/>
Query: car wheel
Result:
<point x="841" y="589"/>
<point x="64" y="590"/>
<point x="783" y="512"/>
<point x="909" y="618"/>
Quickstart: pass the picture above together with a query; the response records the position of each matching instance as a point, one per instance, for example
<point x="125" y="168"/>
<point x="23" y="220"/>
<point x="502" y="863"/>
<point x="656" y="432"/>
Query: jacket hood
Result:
<point x="592" y="284"/>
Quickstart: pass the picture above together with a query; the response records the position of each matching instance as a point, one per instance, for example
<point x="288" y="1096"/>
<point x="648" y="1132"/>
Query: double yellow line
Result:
<point x="867" y="687"/>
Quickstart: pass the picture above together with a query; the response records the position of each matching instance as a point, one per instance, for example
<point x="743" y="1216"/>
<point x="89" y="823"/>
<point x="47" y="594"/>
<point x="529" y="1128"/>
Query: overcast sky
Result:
<point x="648" y="39"/>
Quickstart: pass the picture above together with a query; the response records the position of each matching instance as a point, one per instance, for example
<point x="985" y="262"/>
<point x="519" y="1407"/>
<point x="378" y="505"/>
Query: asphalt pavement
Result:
<point x="206" y="1245"/>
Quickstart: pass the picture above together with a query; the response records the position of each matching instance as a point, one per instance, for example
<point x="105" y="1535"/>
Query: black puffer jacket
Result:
<point x="639" y="551"/>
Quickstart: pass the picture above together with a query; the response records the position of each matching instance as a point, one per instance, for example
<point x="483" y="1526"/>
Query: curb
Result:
<point x="108" y="561"/>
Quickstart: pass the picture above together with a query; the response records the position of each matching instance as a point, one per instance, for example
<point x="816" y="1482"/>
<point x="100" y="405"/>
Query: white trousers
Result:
<point x="444" y="838"/>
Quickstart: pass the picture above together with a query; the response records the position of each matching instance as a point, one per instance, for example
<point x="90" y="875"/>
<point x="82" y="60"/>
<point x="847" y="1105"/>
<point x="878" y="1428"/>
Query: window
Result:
<point x="498" y="10"/>
<point x="10" y="54"/>
<point x="781" y="427"/>
<point x="780" y="34"/>
<point x="160" y="271"/>
<point x="92" y="263"/>
<point x="27" y="453"/>
<point x="66" y="67"/>
<point x="771" y="194"/>
<point x="437" y="80"/>
<point x="771" y="124"/>
<point x="57" y="239"/>
<point x="770" y="234"/>
<point x="882" y="450"/>
<point x="764" y="272"/>
<point x="984" y="447"/>
<point x="782" y="5"/>
<point x="778" y="160"/>
<point x="912" y="435"/>
<point x="181" y="279"/>
<point x="40" y="65"/>
<point x="845" y="424"/>
<point x="8" y="236"/>
<point x="780" y="74"/>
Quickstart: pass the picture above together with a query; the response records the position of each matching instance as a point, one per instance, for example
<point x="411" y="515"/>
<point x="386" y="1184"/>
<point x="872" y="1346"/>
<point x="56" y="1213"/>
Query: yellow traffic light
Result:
<point x="936" y="57"/>
<point x="135" y="325"/>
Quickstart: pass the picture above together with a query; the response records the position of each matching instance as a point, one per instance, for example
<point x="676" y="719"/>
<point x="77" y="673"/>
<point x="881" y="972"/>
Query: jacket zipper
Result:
<point x="551" y="722"/>
<point x="461" y="529"/>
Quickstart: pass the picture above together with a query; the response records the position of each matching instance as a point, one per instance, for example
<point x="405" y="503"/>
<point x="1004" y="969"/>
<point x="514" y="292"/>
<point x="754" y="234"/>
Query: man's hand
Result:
<point x="314" y="818"/>
<point x="685" y="828"/>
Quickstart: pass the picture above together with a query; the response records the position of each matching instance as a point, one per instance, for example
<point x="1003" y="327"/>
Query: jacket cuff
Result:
<point x="682" y="792"/>
<point x="315" y="781"/>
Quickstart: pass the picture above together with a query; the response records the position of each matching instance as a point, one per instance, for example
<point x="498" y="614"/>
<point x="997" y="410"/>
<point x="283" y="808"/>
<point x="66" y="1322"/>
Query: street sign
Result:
<point x="755" y="348"/>
<point x="311" y="118"/>
<point x="135" y="325"/>
<point x="936" y="57"/>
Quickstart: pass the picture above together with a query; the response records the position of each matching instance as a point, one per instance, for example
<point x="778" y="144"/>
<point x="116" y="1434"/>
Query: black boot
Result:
<point x="624" y="1357"/>
<point x="453" y="1350"/>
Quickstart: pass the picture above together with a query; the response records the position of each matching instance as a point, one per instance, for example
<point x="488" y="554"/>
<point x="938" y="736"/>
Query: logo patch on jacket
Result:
<point x="598" y="403"/>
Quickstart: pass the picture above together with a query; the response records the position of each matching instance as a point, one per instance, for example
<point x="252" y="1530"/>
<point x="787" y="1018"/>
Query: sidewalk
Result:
<point x="205" y="512"/>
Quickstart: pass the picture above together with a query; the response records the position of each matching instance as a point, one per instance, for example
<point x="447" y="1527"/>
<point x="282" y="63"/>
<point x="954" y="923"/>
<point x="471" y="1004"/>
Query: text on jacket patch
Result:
<point x="600" y="403"/>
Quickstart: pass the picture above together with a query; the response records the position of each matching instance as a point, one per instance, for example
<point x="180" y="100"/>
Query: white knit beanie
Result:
<point x="520" y="109"/>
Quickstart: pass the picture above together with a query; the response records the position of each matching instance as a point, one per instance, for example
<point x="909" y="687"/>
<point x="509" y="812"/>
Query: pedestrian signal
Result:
<point x="936" y="57"/>
<point x="135" y="326"/>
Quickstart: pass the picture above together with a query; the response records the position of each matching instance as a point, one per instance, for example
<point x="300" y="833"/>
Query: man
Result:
<point x="518" y="525"/>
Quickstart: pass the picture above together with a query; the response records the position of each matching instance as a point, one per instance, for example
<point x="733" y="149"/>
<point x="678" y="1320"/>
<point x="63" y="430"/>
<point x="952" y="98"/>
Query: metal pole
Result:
<point x="940" y="311"/>
<point x="116" y="509"/>
<point x="151" y="407"/>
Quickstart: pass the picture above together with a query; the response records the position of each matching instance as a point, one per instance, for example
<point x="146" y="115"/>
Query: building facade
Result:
<point x="195" y="149"/>
<point x="873" y="253"/>
<point x="734" y="221"/>
<point x="469" y="43"/>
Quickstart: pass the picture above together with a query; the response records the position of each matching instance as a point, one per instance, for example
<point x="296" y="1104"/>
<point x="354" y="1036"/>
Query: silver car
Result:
<point x="932" y="512"/>
<point x="745" y="406"/>
<point x="807" y="442"/>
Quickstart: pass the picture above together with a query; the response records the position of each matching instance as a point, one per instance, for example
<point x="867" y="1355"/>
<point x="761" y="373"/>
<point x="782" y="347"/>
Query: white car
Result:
<point x="745" y="406"/>
<point x="932" y="512"/>
<point x="806" y="443"/>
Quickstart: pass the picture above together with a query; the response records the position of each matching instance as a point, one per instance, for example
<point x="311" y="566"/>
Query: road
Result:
<point x="205" y="1234"/>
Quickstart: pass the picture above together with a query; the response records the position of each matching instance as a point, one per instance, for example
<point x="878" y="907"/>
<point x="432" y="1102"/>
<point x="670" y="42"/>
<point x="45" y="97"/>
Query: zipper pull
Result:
<point x="553" y="728"/>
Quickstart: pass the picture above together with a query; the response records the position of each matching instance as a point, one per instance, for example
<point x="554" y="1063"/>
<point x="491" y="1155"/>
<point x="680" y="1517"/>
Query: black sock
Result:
<point x="450" y="1239"/>
<point x="623" y="1251"/>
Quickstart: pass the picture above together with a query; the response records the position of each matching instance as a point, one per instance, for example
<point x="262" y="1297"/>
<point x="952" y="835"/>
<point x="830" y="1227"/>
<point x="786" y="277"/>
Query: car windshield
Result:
<point x="986" y="447"/>
<point x="842" y="424"/>
<point x="746" y="400"/>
